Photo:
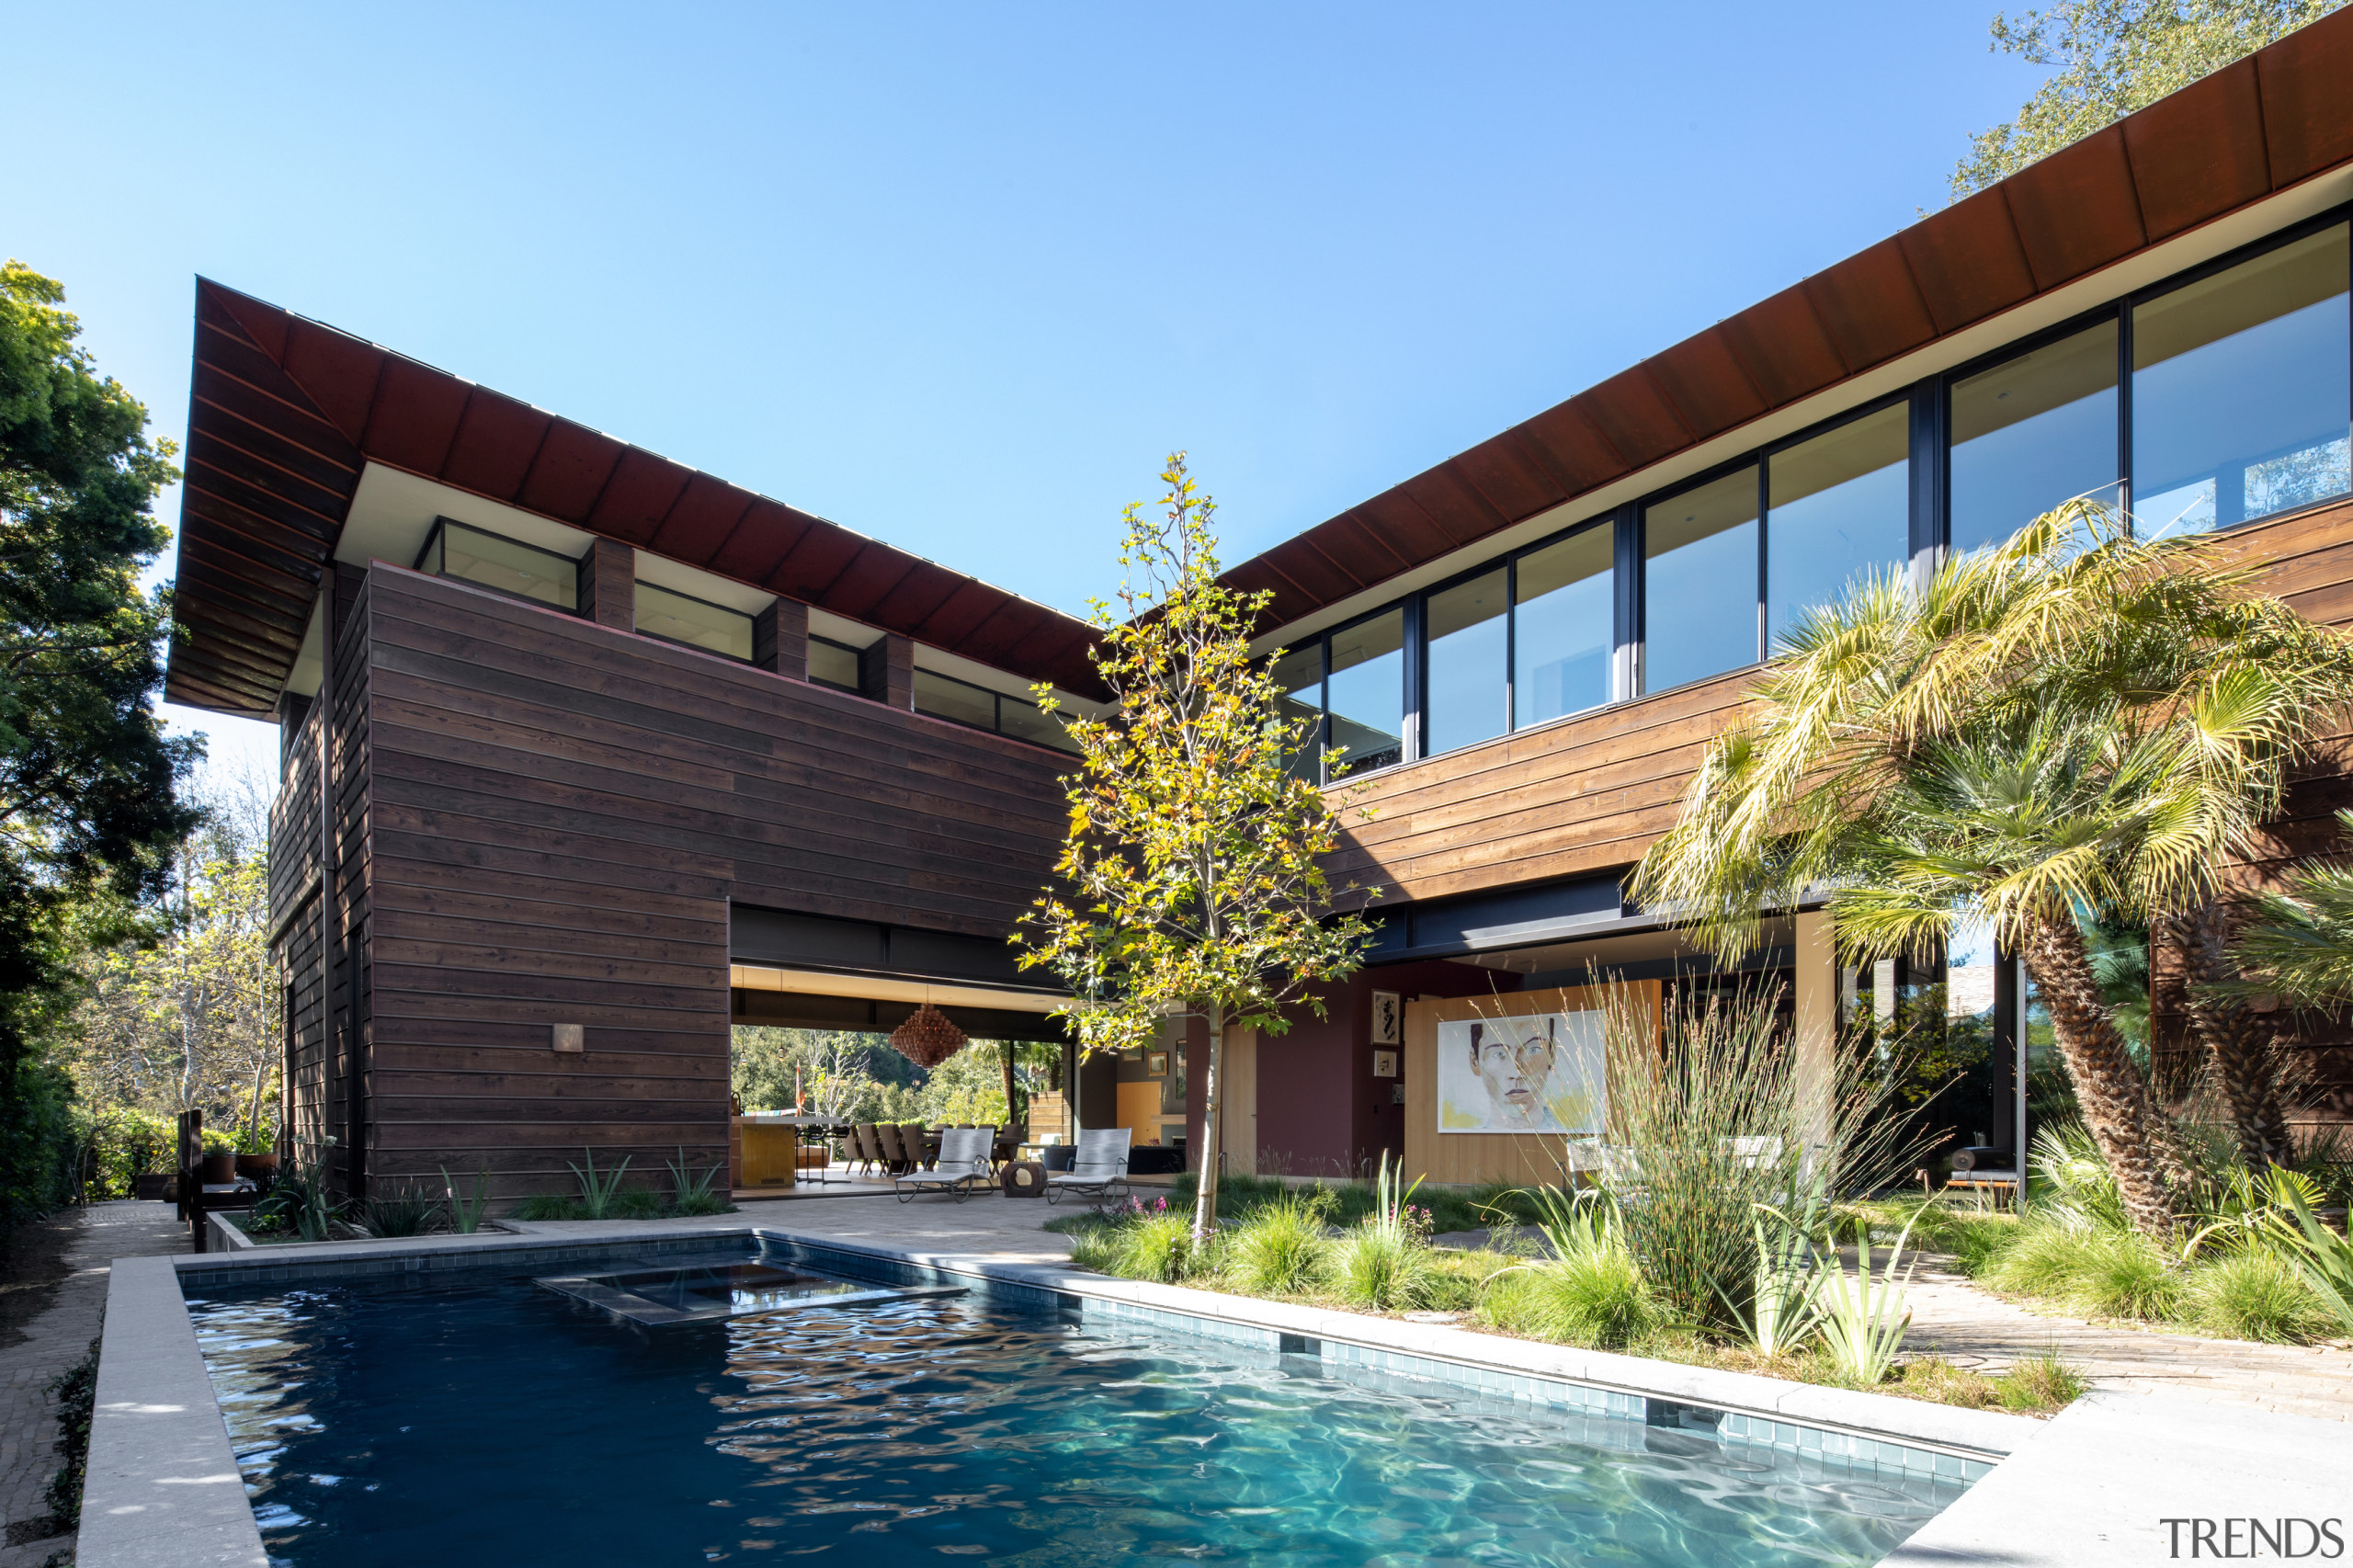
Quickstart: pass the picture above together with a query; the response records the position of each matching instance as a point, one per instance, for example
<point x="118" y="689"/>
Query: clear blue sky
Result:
<point x="957" y="275"/>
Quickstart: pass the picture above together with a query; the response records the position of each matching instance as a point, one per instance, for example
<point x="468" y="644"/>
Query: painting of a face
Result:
<point x="1514" y="1060"/>
<point x="1539" y="1073"/>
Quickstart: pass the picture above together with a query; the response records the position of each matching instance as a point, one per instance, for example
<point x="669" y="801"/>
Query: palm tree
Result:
<point x="2072" y="723"/>
<point x="2298" y="943"/>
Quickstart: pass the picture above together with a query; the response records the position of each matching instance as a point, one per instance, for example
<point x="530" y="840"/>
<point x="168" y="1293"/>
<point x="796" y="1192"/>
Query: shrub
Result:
<point x="2253" y="1293"/>
<point x="2042" y="1382"/>
<point x="129" y="1142"/>
<point x="402" y="1210"/>
<point x="1281" y="1249"/>
<point x="1595" y="1298"/>
<point x="2043" y="1259"/>
<point x="1155" y="1247"/>
<point x="1383" y="1271"/>
<point x="2120" y="1273"/>
<point x="1719" y="1122"/>
<point x="1933" y="1377"/>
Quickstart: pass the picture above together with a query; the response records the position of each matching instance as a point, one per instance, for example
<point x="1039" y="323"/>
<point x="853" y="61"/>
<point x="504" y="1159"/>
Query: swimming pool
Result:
<point x="474" y="1416"/>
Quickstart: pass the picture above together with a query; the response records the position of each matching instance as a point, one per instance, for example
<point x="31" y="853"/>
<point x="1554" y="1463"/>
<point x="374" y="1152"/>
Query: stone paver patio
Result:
<point x="54" y="1341"/>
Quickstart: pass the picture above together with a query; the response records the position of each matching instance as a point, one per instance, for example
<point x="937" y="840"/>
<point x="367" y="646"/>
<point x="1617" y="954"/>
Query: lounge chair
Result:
<point x="963" y="1164"/>
<point x="1101" y="1167"/>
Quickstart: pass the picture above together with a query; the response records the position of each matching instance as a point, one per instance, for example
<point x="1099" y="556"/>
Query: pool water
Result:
<point x="480" y="1419"/>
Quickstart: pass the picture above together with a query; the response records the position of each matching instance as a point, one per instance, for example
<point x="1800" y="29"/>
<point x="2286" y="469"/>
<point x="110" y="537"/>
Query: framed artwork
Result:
<point x="1540" y="1073"/>
<point x="1388" y="1018"/>
<point x="1384" y="1064"/>
<point x="1155" y="1064"/>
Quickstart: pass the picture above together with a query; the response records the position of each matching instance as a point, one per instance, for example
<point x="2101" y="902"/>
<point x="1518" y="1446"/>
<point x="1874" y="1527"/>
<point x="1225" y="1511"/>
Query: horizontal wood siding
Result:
<point x="558" y="815"/>
<point x="297" y="932"/>
<point x="1568" y="799"/>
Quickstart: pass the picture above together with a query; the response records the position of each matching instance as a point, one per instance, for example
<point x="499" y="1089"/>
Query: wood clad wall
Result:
<point x="1568" y="799"/>
<point x="348" y="968"/>
<point x="1473" y="1157"/>
<point x="295" y="928"/>
<point x="560" y="814"/>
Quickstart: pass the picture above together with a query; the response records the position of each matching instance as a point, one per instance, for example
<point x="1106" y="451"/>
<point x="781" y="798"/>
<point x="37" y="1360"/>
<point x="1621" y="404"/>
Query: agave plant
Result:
<point x="599" y="1195"/>
<point x="1864" y="1319"/>
<point x="1785" y="1311"/>
<point x="692" y="1193"/>
<point x="465" y="1214"/>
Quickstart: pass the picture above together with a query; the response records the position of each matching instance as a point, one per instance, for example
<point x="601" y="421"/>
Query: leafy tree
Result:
<point x="2049" y="732"/>
<point x="89" y="782"/>
<point x="1193" y="870"/>
<point x="188" y="1020"/>
<point x="2115" y="56"/>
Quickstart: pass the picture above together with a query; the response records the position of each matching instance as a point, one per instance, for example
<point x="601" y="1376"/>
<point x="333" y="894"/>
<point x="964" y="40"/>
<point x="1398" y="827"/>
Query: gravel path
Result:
<point x="55" y="1336"/>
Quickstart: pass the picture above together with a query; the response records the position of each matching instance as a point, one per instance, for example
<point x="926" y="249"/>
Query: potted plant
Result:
<point x="257" y="1154"/>
<point x="220" y="1165"/>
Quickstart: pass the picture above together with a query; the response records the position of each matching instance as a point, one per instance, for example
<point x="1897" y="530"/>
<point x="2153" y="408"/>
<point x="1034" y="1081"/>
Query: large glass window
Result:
<point x="1839" y="506"/>
<point x="944" y="697"/>
<point x="675" y="618"/>
<point x="1366" y="688"/>
<point x="1563" y="626"/>
<point x="1700" y="581"/>
<point x="1465" y="698"/>
<point x="2031" y="433"/>
<point x="522" y="571"/>
<point x="1025" y="720"/>
<point x="1298" y="675"/>
<point x="833" y="663"/>
<point x="2241" y="391"/>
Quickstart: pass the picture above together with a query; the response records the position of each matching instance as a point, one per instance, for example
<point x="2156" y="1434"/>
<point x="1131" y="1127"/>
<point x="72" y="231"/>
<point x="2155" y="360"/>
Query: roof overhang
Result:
<point x="286" y="416"/>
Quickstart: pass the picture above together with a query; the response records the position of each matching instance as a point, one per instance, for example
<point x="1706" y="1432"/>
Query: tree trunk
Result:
<point x="2238" y="1041"/>
<point x="1205" y="1206"/>
<point x="2118" y="1109"/>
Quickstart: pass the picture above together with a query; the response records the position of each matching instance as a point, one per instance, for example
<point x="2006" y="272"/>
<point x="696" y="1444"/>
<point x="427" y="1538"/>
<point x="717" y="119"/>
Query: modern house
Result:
<point x="589" y="754"/>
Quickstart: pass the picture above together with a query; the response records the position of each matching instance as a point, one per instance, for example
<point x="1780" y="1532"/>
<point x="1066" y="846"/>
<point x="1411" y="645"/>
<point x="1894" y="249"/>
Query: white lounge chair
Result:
<point x="1101" y="1165"/>
<point x="963" y="1161"/>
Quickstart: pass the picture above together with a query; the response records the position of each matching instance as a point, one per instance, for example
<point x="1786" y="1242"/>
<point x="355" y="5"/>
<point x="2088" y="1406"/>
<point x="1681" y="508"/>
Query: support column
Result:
<point x="1817" y="1024"/>
<point x="781" y="638"/>
<point x="886" y="671"/>
<point x="608" y="584"/>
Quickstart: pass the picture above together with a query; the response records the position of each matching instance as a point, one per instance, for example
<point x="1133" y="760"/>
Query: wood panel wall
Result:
<point x="558" y="816"/>
<point x="1583" y="795"/>
<point x="1471" y="1157"/>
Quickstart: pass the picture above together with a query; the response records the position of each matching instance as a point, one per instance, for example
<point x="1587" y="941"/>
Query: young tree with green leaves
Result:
<point x="89" y="784"/>
<point x="1193" y="868"/>
<point x="2073" y="724"/>
<point x="2115" y="56"/>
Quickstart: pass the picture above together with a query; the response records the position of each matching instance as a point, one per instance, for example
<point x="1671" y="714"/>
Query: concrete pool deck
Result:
<point x="2094" y="1486"/>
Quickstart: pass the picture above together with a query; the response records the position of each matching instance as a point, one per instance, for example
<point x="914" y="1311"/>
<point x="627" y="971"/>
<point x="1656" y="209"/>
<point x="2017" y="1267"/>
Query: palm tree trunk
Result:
<point x="2118" y="1109"/>
<point x="2239" y="1043"/>
<point x="1205" y="1202"/>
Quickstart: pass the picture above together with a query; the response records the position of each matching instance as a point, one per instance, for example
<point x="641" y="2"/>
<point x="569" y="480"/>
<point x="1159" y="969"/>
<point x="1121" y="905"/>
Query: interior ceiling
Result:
<point x="286" y="412"/>
<point x="2244" y="133"/>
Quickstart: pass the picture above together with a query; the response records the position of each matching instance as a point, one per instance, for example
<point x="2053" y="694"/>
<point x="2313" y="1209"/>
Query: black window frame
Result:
<point x="680" y="643"/>
<point x="579" y="565"/>
<point x="833" y="685"/>
<point x="996" y="710"/>
<point x="1929" y="534"/>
